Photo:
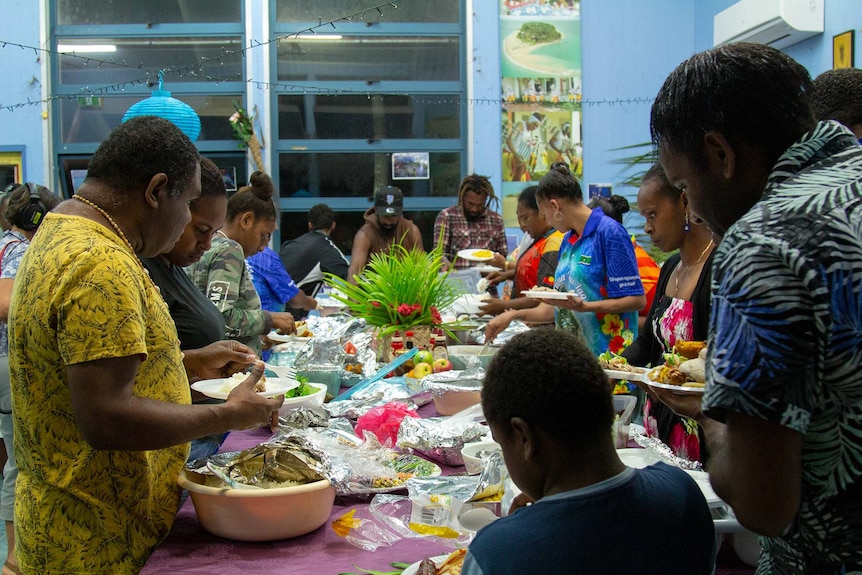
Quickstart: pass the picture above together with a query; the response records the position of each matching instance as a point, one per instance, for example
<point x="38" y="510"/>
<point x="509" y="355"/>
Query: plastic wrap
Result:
<point x="384" y="421"/>
<point x="386" y="520"/>
<point x="367" y="467"/>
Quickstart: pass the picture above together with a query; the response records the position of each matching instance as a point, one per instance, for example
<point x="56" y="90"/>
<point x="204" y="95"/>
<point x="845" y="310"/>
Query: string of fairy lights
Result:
<point x="150" y="76"/>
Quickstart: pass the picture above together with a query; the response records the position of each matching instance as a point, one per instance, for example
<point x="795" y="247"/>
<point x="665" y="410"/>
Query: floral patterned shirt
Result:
<point x="12" y="248"/>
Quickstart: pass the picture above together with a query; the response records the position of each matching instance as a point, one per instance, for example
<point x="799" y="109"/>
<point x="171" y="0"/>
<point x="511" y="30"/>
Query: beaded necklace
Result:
<point x="119" y="232"/>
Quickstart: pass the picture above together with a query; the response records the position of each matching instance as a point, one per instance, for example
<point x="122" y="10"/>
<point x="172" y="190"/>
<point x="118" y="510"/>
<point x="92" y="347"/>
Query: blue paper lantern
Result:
<point x="161" y="104"/>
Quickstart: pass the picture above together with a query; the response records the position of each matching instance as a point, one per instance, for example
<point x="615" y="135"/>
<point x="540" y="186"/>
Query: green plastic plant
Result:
<point x="399" y="289"/>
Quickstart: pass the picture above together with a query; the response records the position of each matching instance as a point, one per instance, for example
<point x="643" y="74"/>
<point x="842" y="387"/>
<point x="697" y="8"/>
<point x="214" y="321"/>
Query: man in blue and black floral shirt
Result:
<point x="783" y="405"/>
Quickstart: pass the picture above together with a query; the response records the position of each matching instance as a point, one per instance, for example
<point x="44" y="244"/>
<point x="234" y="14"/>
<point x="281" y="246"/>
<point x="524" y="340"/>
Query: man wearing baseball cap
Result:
<point x="384" y="227"/>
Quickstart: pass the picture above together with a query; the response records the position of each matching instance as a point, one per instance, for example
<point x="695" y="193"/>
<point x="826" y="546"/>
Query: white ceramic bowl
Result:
<point x="259" y="514"/>
<point x="470" y="453"/>
<point x="459" y="354"/>
<point x="313" y="400"/>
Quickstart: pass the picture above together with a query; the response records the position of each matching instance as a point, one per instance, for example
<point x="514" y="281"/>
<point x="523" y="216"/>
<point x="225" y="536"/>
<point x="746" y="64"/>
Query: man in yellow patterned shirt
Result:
<point x="100" y="392"/>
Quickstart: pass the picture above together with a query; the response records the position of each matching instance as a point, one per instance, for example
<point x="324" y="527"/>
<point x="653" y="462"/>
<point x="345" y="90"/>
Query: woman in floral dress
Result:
<point x="680" y="310"/>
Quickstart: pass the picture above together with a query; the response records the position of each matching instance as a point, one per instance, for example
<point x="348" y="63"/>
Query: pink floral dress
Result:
<point x="674" y="322"/>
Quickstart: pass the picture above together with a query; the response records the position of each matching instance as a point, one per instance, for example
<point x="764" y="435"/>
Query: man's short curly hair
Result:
<point x="551" y="380"/>
<point x="321" y="217"/>
<point x="753" y="94"/>
<point x="140" y="148"/>
<point x="838" y="96"/>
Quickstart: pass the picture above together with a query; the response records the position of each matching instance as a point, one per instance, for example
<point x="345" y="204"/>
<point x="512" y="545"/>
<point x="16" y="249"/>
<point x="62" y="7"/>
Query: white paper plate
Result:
<point x="471" y="255"/>
<point x="547" y="294"/>
<point x="215" y="388"/>
<point x="678" y="389"/>
<point x="412" y="569"/>
<point x="486" y="269"/>
<point x="281" y="338"/>
<point x="618" y="374"/>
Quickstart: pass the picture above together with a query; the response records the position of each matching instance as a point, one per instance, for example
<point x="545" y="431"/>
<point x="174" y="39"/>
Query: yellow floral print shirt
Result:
<point x="81" y="295"/>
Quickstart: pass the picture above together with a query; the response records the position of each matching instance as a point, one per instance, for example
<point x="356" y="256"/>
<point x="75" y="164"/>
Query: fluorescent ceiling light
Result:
<point x="92" y="48"/>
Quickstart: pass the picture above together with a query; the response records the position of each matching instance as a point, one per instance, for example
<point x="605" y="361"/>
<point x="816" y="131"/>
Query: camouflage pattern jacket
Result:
<point x="223" y="276"/>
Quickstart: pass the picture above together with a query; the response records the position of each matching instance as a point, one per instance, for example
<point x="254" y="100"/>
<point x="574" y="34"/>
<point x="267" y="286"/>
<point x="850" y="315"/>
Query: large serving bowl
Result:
<point x="452" y="402"/>
<point x="460" y="355"/>
<point x="313" y="400"/>
<point x="259" y="514"/>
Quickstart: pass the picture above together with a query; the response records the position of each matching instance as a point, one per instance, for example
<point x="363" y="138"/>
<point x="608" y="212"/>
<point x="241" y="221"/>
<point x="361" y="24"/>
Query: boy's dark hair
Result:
<point x="321" y="217"/>
<point x="752" y="94"/>
<point x="551" y="380"/>
<point x="838" y="96"/>
<point x="140" y="148"/>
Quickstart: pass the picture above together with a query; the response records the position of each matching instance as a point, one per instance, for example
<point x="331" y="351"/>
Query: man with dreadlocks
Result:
<point x="470" y="223"/>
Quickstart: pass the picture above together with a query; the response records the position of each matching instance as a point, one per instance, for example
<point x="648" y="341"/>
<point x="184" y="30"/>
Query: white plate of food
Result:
<point x="284" y="338"/>
<point x="636" y="375"/>
<point x="221" y="388"/>
<point x="449" y="564"/>
<point x="678" y="389"/>
<point x="475" y="255"/>
<point x="551" y="294"/>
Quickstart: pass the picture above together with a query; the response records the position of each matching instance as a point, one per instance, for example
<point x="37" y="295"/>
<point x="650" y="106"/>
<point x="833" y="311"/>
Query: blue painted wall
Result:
<point x="22" y="81"/>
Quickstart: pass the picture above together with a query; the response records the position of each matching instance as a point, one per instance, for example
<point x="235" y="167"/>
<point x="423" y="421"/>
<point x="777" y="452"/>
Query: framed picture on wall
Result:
<point x="842" y="50"/>
<point x="410" y="165"/>
<point x="229" y="177"/>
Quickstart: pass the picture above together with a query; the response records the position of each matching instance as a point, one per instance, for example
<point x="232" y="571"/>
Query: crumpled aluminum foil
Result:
<point x="488" y="485"/>
<point x="514" y="328"/>
<point x="454" y="380"/>
<point x="280" y="460"/>
<point x="305" y="417"/>
<point x="378" y="393"/>
<point x="666" y="454"/>
<point x="439" y="439"/>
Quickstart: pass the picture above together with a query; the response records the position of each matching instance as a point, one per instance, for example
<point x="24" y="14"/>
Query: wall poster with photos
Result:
<point x="540" y="44"/>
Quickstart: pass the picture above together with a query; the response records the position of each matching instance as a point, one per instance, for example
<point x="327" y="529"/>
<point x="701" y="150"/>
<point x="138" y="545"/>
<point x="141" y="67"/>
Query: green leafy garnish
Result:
<point x="302" y="389"/>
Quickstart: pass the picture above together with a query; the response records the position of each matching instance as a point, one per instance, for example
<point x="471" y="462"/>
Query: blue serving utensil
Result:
<point x="381" y="373"/>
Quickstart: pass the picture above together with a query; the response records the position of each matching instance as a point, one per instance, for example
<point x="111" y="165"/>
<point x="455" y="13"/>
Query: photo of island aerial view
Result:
<point x="547" y="48"/>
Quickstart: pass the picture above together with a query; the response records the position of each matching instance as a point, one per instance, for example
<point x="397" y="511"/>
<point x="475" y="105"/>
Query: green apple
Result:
<point x="421" y="370"/>
<point x="423" y="356"/>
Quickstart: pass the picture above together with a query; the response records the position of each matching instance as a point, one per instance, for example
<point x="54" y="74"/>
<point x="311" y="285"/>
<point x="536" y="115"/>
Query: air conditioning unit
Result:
<point x="778" y="23"/>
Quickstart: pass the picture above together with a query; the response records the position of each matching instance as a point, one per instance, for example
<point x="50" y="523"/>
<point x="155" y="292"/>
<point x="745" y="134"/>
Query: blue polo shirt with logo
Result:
<point x="600" y="264"/>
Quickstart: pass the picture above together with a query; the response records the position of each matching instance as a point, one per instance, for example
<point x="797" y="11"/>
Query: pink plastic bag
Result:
<point x="384" y="421"/>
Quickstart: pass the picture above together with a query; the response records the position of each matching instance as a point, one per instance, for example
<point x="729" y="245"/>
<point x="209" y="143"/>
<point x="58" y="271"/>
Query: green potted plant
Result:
<point x="400" y="290"/>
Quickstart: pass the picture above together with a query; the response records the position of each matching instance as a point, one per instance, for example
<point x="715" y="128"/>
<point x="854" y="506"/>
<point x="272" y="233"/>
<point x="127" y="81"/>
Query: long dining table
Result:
<point x="190" y="549"/>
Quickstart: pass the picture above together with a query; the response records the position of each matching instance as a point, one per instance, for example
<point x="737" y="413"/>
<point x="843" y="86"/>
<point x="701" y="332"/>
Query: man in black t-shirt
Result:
<point x="312" y="254"/>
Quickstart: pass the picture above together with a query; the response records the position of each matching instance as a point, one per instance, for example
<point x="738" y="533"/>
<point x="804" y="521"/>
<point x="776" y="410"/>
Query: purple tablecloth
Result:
<point x="191" y="549"/>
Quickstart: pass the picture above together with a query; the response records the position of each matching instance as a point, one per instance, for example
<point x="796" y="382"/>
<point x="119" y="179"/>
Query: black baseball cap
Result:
<point x="389" y="201"/>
